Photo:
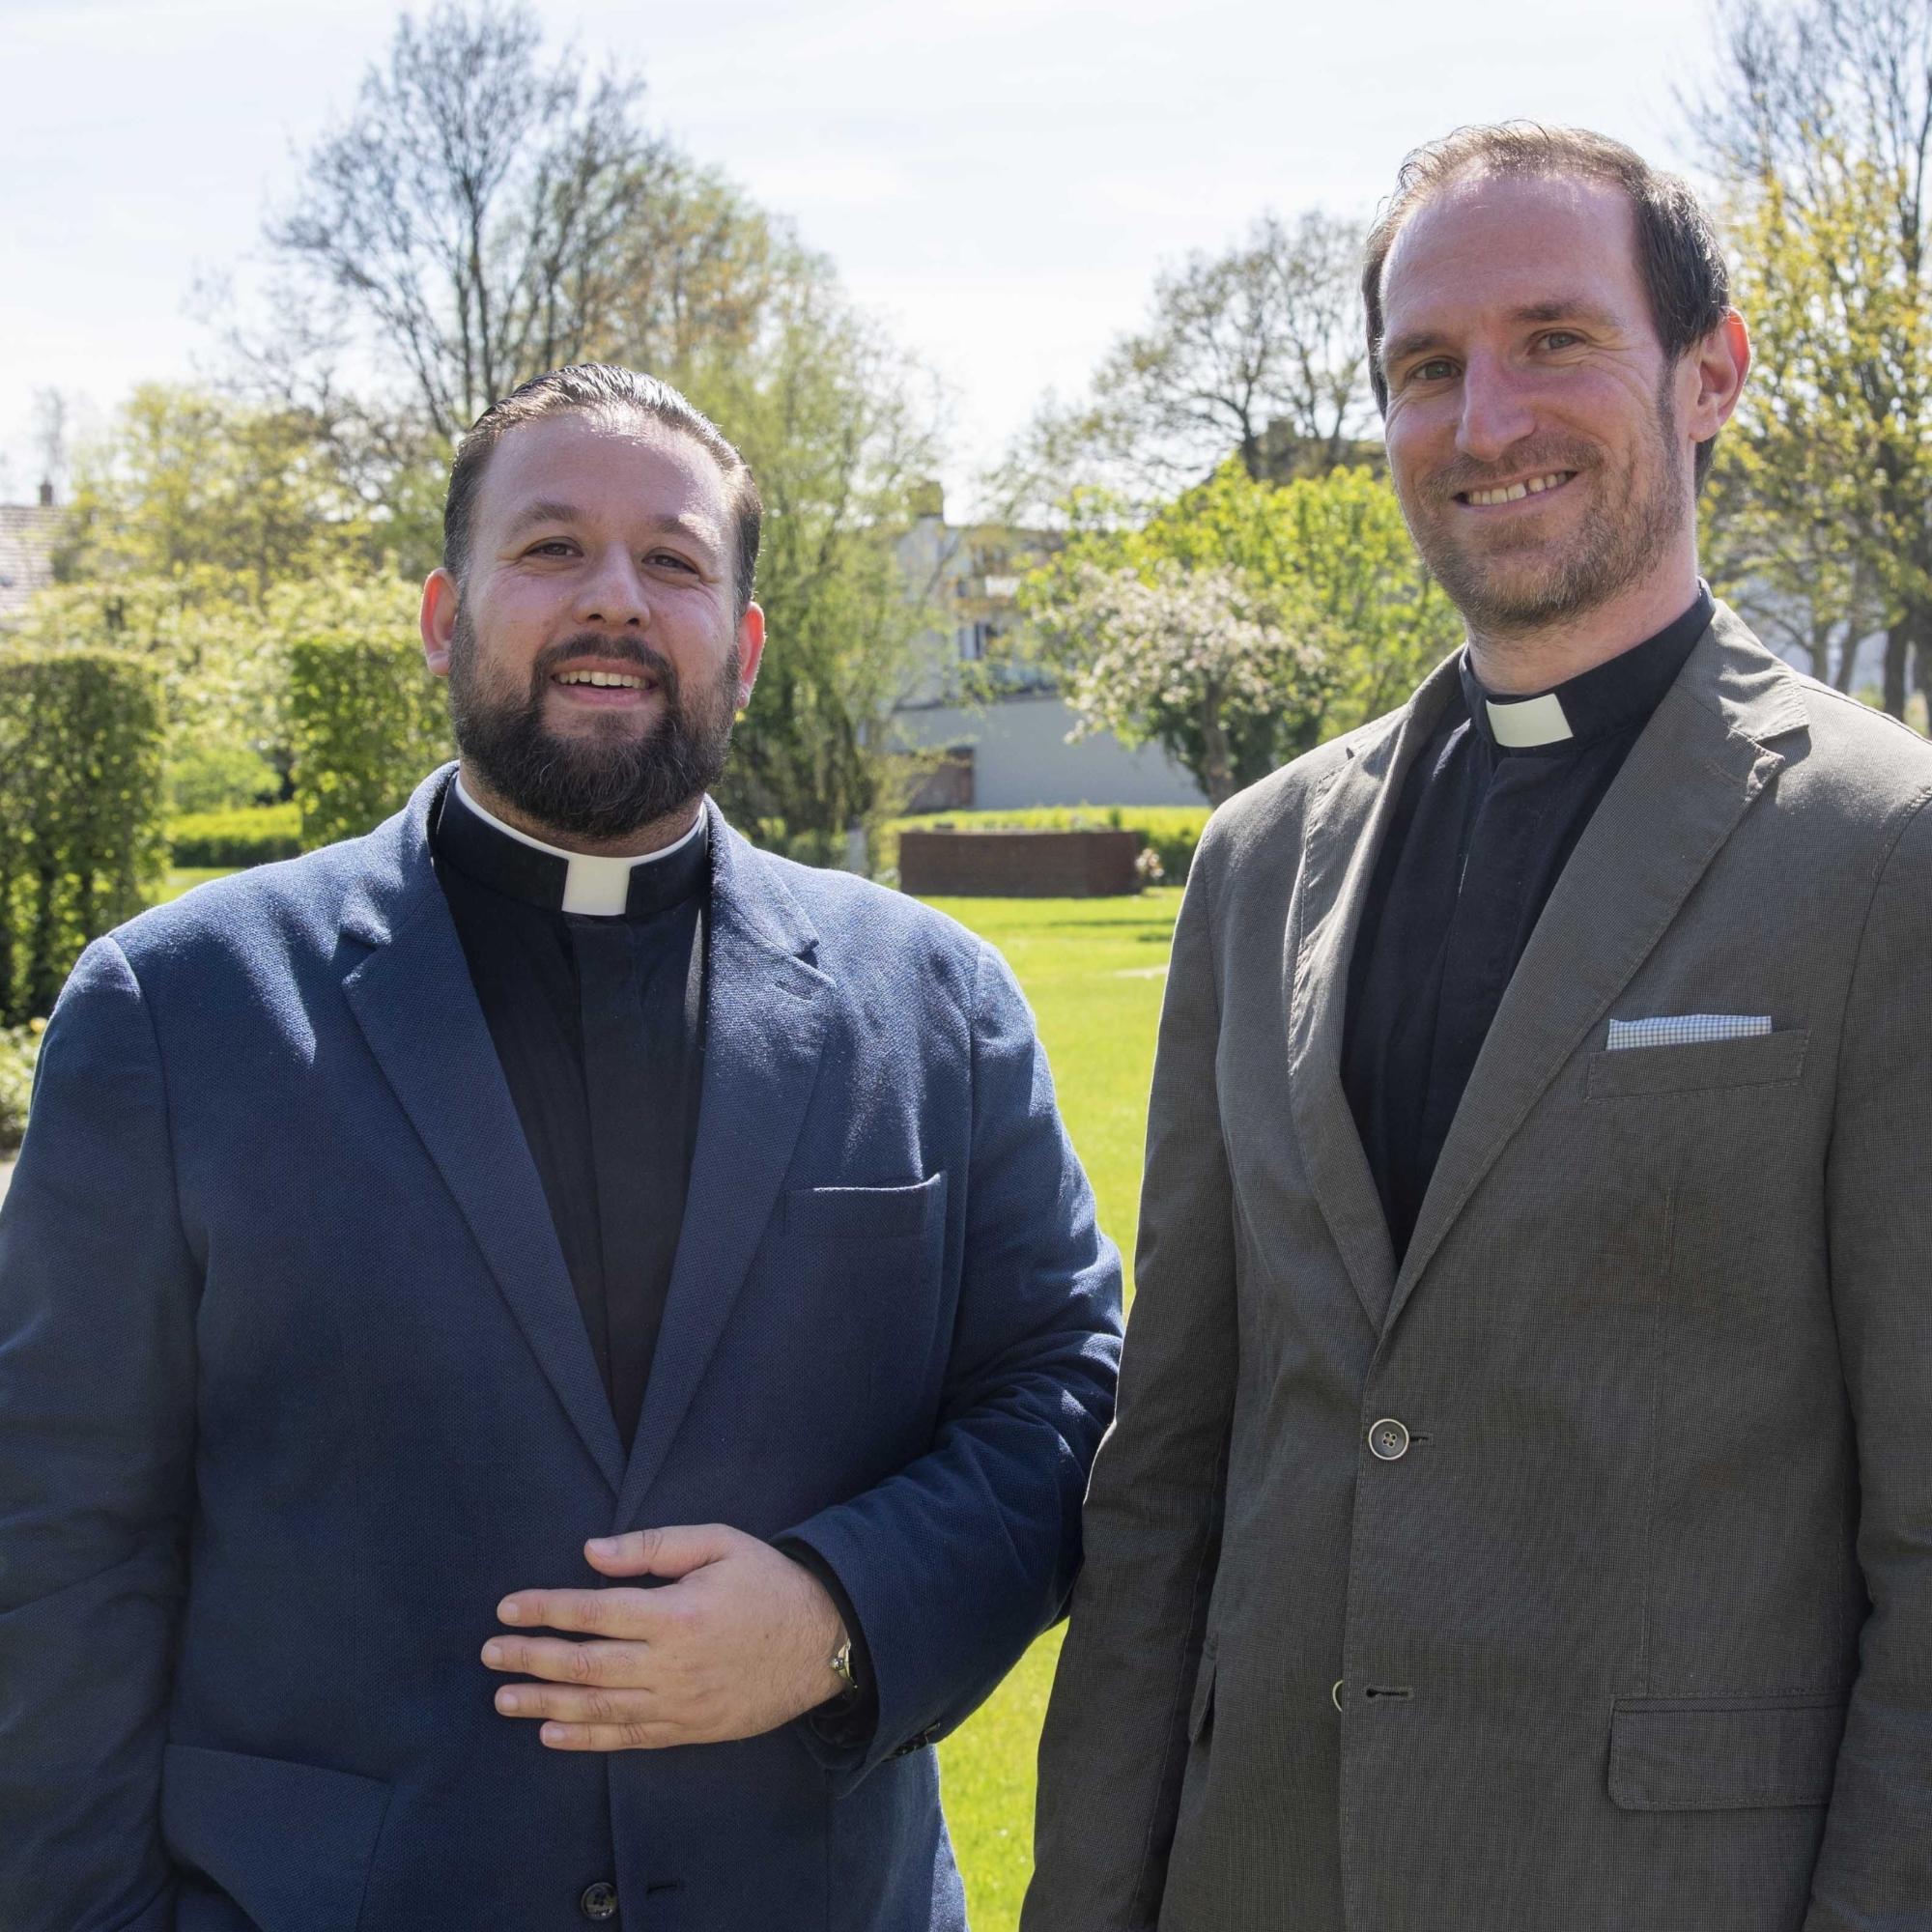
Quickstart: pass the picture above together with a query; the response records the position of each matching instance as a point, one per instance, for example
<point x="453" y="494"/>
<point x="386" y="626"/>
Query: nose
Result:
<point x="613" y="595"/>
<point x="1497" y="411"/>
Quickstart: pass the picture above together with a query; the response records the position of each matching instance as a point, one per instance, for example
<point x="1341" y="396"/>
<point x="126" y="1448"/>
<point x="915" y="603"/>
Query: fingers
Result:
<point x="559" y="1663"/>
<point x="611" y="1613"/>
<point x="643" y="1736"/>
<point x="673" y="1551"/>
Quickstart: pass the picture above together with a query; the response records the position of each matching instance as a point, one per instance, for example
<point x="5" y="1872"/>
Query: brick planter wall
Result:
<point x="1019" y="864"/>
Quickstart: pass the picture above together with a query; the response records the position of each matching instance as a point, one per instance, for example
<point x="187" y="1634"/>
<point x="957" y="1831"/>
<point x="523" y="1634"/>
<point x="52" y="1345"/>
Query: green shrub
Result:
<point x="19" y="1048"/>
<point x="250" y="836"/>
<point x="219" y="778"/>
<point x="1170" y="831"/>
<point x="83" y="836"/>
<point x="367" y="721"/>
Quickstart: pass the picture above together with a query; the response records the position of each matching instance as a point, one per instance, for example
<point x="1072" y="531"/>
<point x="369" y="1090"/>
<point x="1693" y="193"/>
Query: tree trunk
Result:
<point x="1897" y="646"/>
<point x="1218" y="768"/>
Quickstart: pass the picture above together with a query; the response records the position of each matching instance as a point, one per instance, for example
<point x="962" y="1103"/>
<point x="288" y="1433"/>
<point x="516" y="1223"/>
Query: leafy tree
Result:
<point x="1258" y="350"/>
<point x="1317" y="576"/>
<point x="1198" y="660"/>
<point x="189" y="484"/>
<point x="476" y="207"/>
<point x="830" y="418"/>
<point x="1821" y="125"/>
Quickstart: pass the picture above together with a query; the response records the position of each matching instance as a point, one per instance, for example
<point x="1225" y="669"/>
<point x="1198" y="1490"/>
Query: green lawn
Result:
<point x="1095" y="971"/>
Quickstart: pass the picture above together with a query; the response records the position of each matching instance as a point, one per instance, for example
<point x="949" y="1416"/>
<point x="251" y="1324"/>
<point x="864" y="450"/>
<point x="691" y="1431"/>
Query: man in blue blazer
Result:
<point x="544" y="1353"/>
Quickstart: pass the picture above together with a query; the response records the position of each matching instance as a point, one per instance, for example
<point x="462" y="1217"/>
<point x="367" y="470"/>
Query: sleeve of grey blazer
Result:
<point x="1875" y="1868"/>
<point x="97" y="1405"/>
<point x="1116" y="1739"/>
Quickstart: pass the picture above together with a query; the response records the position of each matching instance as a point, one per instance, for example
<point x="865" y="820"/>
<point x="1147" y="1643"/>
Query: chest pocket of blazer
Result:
<point x="1723" y="1754"/>
<point x="865" y="1214"/>
<point x="1762" y="1060"/>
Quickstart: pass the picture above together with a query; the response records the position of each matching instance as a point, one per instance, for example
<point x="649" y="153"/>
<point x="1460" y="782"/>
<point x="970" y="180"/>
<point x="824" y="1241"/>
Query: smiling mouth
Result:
<point x="1514" y="493"/>
<point x="605" y="687"/>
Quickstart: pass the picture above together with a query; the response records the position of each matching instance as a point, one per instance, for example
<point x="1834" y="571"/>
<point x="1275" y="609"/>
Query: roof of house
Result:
<point x="27" y="533"/>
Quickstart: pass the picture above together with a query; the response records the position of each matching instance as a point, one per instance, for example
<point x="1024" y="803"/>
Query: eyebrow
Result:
<point x="1574" y="309"/>
<point x="549" y="510"/>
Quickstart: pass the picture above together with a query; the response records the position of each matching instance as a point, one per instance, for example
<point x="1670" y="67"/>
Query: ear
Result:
<point x="1714" y="377"/>
<point x="751" y="651"/>
<point x="438" y="620"/>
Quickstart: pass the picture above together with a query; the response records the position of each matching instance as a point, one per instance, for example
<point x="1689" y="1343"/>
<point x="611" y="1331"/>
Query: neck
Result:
<point x="1517" y="662"/>
<point x="638" y="845"/>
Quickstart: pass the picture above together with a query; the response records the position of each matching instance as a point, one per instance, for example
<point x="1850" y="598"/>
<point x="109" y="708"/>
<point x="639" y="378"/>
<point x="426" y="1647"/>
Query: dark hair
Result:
<point x="1677" y="248"/>
<point x="596" y="386"/>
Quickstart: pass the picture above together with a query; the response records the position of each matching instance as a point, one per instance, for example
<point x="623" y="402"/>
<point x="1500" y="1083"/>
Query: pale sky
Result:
<point x="998" y="182"/>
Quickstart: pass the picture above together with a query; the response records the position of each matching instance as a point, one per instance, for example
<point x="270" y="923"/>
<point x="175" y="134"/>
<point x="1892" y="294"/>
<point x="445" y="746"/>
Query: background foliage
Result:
<point x="367" y="721"/>
<point x="82" y="734"/>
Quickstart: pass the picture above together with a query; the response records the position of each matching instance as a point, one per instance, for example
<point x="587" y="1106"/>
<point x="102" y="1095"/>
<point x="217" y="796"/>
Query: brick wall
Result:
<point x="1018" y="864"/>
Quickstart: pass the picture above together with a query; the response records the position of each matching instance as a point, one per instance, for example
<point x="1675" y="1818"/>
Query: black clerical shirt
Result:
<point x="598" y="1021"/>
<point x="1489" y="814"/>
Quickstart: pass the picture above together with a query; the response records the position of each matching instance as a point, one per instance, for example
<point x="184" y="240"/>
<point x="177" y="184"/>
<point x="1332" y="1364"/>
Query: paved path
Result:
<point x="5" y="1175"/>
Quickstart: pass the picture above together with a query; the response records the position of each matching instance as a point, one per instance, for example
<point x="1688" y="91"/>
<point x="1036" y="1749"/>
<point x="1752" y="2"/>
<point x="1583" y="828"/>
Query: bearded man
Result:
<point x="1520" y="1513"/>
<point x="544" y="1354"/>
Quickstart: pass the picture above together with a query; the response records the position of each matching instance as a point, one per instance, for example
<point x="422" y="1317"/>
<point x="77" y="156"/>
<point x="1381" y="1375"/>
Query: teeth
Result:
<point x="608" y="679"/>
<point x="1517" y="492"/>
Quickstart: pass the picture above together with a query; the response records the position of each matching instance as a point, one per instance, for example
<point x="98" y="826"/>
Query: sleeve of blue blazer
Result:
<point x="1875" y="1868"/>
<point x="98" y="1289"/>
<point x="956" y="1562"/>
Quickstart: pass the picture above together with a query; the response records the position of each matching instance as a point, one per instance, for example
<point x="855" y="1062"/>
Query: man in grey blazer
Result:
<point x="1519" y="1517"/>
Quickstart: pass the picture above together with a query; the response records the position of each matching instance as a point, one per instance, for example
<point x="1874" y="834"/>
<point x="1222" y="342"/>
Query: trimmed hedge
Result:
<point x="367" y="721"/>
<point x="19" y="1048"/>
<point x="248" y="835"/>
<point x="1170" y="831"/>
<point x="83" y="829"/>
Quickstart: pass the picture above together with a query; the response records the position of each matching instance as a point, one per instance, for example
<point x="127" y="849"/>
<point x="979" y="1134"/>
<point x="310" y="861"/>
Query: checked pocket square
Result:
<point x="1686" y="1030"/>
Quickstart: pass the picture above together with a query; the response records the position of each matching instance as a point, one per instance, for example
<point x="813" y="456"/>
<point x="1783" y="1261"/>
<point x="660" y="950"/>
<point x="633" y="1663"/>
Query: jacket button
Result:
<point x="599" y="1901"/>
<point x="1388" y="1439"/>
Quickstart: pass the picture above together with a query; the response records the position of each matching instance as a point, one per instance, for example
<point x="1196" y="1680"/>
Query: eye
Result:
<point x="1561" y="338"/>
<point x="670" y="557"/>
<point x="552" y="546"/>
<point x="1437" y="369"/>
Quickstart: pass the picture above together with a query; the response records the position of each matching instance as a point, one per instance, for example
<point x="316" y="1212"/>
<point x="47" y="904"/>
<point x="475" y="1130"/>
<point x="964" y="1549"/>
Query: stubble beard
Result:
<point x="605" y="782"/>
<point x="1500" y="597"/>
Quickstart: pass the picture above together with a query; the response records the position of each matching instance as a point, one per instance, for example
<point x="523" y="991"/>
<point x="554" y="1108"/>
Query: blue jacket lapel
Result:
<point x="412" y="998"/>
<point x="766" y="1006"/>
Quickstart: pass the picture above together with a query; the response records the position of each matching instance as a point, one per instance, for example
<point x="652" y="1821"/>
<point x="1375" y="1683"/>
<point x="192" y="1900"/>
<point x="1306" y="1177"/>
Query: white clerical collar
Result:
<point x="598" y="886"/>
<point x="1529" y="721"/>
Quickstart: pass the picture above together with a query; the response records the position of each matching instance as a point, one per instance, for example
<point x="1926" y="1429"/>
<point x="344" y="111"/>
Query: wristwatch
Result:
<point x="840" y="1663"/>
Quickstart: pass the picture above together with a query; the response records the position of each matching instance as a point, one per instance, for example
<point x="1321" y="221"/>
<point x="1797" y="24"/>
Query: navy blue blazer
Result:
<point x="294" y="1388"/>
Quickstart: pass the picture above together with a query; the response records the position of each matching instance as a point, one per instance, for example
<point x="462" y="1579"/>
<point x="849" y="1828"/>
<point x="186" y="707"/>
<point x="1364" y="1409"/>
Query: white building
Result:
<point x="999" y="720"/>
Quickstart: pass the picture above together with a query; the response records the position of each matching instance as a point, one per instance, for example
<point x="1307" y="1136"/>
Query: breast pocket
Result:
<point x="1762" y="1060"/>
<point x="865" y="1214"/>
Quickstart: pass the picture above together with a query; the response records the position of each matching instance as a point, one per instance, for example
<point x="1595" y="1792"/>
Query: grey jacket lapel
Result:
<point x="1345" y="831"/>
<point x="412" y="998"/>
<point x="766" y="1006"/>
<point x="1691" y="778"/>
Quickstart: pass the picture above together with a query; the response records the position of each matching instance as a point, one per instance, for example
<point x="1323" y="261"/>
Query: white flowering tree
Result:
<point x="1196" y="661"/>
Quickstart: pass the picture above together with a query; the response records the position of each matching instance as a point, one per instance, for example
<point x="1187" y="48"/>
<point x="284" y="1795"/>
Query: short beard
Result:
<point x="601" y="784"/>
<point x="1611" y="555"/>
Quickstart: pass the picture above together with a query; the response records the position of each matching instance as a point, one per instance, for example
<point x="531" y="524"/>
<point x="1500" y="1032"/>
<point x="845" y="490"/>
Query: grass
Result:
<point x="1094" y="971"/>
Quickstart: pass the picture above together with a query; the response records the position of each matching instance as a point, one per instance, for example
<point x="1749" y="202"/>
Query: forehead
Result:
<point x="612" y="466"/>
<point x="1490" y="247"/>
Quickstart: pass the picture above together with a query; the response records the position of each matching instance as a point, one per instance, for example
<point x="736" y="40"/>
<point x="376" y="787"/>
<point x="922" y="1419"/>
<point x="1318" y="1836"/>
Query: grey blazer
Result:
<point x="1575" y="1577"/>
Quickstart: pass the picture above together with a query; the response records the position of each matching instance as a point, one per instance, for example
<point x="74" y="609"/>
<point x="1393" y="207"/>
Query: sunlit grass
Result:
<point x="1094" y="971"/>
